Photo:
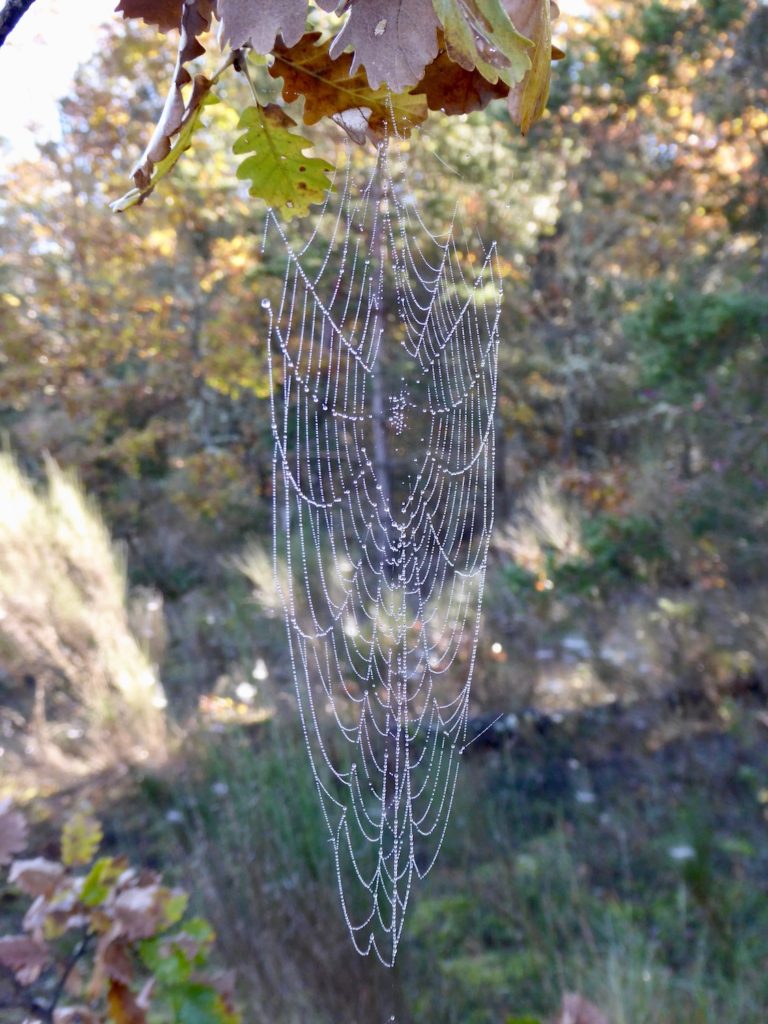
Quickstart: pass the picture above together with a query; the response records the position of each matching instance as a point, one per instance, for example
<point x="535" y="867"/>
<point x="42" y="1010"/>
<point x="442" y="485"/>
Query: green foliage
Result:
<point x="617" y="550"/>
<point x="116" y="936"/>
<point x="684" y="337"/>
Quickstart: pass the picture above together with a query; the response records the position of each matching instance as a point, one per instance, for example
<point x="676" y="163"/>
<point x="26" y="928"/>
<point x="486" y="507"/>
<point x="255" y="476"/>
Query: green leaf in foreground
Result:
<point x="277" y="169"/>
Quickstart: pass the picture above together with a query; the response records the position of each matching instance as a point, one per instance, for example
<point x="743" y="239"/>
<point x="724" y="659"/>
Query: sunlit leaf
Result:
<point x="528" y="99"/>
<point x="479" y="34"/>
<point x="277" y="169"/>
<point x="259" y="24"/>
<point x="80" y="839"/>
<point x="329" y="88"/>
<point x="200" y="99"/>
<point x="393" y="40"/>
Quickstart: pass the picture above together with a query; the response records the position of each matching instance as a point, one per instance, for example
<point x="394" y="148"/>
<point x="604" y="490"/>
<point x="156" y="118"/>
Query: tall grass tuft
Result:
<point x="64" y="621"/>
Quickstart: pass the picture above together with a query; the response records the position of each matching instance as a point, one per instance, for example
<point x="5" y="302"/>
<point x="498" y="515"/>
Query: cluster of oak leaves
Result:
<point x="103" y="940"/>
<point x="388" y="63"/>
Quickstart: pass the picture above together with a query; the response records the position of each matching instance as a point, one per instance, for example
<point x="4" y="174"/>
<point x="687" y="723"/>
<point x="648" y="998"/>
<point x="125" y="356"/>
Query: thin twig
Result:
<point x="11" y="15"/>
<point x="70" y="965"/>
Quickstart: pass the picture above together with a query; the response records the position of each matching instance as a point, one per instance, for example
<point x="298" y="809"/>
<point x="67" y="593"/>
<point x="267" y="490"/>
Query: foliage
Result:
<point x="400" y="50"/>
<point x="103" y="941"/>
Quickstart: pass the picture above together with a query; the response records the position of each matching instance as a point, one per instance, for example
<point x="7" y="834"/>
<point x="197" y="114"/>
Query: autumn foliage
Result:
<point x="101" y="940"/>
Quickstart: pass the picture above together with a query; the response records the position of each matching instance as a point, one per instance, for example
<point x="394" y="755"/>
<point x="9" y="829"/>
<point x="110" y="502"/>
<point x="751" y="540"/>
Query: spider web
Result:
<point x="383" y="368"/>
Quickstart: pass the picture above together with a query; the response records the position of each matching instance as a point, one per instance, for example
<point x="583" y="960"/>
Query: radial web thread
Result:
<point x="383" y="369"/>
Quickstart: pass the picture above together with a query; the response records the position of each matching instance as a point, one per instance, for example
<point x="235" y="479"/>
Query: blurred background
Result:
<point x="609" y="835"/>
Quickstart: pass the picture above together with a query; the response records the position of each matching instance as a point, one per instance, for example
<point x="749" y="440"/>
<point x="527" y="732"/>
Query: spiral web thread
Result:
<point x="383" y="369"/>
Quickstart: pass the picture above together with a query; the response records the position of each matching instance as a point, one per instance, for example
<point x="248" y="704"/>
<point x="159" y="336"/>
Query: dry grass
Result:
<point x="64" y="622"/>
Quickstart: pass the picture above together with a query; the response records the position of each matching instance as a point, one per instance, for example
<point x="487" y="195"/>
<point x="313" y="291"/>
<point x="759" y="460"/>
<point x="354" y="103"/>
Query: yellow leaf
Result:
<point x="80" y="839"/>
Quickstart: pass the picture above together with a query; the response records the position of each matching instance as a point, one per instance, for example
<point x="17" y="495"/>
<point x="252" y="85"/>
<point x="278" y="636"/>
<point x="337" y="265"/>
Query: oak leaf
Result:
<point x="393" y="40"/>
<point x="36" y="877"/>
<point x="166" y="14"/>
<point x="454" y="90"/>
<point x="25" y="956"/>
<point x="479" y="34"/>
<point x="528" y="98"/>
<point x="13" y="832"/>
<point x="80" y="839"/>
<point x="331" y="88"/>
<point x="260" y="23"/>
<point x="123" y="1006"/>
<point x="277" y="169"/>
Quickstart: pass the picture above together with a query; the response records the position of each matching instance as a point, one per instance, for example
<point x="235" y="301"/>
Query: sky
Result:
<point x="38" y="63"/>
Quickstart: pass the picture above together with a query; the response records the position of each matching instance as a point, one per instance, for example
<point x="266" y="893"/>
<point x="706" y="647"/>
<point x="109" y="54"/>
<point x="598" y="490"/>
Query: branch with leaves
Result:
<point x="103" y="941"/>
<point x="377" y="67"/>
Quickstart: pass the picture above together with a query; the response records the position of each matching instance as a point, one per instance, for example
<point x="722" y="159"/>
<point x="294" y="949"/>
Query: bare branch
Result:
<point x="11" y="14"/>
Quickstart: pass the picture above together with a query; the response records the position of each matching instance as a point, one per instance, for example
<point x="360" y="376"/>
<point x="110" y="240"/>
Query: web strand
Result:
<point x="382" y="361"/>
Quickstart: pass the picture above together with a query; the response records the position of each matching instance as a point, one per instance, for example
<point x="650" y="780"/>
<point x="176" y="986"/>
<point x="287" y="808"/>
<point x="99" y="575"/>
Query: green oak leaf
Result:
<point x="466" y="23"/>
<point x="277" y="169"/>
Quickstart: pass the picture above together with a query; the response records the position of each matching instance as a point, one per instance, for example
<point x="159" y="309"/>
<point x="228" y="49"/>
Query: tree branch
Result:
<point x="11" y="14"/>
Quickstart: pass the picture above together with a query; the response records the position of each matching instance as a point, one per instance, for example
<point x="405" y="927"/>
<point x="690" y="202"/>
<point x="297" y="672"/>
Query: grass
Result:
<point x="649" y="897"/>
<point x="65" y="624"/>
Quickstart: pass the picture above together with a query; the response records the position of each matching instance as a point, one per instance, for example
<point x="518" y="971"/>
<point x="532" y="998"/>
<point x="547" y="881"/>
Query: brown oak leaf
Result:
<point x="331" y="89"/>
<point x="393" y="40"/>
<point x="24" y="956"/>
<point x="123" y="1006"/>
<point x="244" y="21"/>
<point x="13" y="832"/>
<point x="37" y="877"/>
<point x="454" y="90"/>
<point x="165" y="14"/>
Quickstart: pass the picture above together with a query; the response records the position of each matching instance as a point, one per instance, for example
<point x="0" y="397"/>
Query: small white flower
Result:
<point x="220" y="788"/>
<point x="174" y="816"/>
<point x="682" y="852"/>
<point x="585" y="796"/>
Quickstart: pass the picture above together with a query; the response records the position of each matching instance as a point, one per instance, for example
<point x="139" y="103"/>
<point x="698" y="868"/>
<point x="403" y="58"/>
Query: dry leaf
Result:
<point x="330" y="88"/>
<point x="260" y="23"/>
<point x="37" y="877"/>
<point x="577" y="1010"/>
<point x="75" y="1015"/>
<point x="13" y="832"/>
<point x="123" y="1007"/>
<point x="166" y="14"/>
<point x="195" y="19"/>
<point x="454" y="90"/>
<point x="528" y="99"/>
<point x="393" y="40"/>
<point x="26" y="957"/>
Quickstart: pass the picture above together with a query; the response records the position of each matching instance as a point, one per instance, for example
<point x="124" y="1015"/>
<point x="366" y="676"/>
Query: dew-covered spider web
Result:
<point x="383" y="368"/>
